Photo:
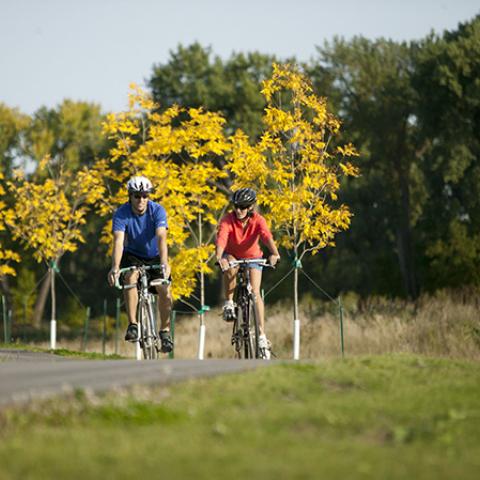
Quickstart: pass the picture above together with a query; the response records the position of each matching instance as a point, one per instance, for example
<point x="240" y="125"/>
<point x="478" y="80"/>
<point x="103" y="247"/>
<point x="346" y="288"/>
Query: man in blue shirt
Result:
<point x="140" y="238"/>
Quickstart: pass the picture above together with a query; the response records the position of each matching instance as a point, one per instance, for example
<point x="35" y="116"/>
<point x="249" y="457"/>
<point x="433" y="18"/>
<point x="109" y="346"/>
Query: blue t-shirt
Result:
<point x="140" y="239"/>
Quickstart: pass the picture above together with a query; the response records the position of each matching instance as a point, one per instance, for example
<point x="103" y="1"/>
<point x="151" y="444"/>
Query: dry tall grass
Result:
<point x="440" y="325"/>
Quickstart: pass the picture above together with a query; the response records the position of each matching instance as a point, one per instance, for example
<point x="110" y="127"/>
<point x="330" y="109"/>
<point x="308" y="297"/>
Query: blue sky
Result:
<point x="92" y="49"/>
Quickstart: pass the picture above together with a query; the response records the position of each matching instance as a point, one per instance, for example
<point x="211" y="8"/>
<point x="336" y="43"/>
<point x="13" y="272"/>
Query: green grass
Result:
<point x="62" y="352"/>
<point x="384" y="417"/>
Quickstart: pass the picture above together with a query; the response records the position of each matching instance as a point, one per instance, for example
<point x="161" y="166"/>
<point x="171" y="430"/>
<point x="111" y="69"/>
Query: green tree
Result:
<point x="193" y="77"/>
<point x="371" y="85"/>
<point x="13" y="125"/>
<point x="70" y="134"/>
<point x="24" y="294"/>
<point x="447" y="81"/>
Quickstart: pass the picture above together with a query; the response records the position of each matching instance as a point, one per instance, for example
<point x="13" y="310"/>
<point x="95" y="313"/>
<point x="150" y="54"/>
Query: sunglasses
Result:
<point x="138" y="196"/>
<point x="242" y="207"/>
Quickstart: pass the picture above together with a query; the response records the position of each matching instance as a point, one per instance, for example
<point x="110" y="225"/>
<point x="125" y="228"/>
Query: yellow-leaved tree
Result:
<point x="7" y="256"/>
<point x="50" y="209"/>
<point x="295" y="167"/>
<point x="174" y="148"/>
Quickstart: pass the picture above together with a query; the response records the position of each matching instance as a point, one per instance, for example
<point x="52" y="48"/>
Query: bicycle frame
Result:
<point x="146" y="318"/>
<point x="245" y="327"/>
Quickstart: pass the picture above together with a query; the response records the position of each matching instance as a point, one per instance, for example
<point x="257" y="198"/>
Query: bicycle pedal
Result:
<point x="265" y="354"/>
<point x="236" y="337"/>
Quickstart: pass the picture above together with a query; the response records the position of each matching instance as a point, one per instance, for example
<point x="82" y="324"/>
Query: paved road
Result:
<point x="26" y="375"/>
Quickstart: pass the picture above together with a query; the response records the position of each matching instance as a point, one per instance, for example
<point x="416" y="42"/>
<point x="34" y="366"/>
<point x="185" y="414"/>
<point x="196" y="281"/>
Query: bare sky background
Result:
<point x="92" y="49"/>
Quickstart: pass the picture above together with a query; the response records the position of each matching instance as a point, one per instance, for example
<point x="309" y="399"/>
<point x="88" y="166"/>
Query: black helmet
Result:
<point x="244" y="197"/>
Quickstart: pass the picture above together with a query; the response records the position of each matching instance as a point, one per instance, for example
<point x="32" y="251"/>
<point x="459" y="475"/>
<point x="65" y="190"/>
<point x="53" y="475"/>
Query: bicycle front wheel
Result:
<point x="254" y="329"/>
<point x="248" y="334"/>
<point x="147" y="333"/>
<point x="237" y="337"/>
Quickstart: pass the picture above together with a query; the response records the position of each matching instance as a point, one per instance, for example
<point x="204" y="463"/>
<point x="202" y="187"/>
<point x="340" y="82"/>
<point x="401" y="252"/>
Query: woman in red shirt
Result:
<point x="238" y="237"/>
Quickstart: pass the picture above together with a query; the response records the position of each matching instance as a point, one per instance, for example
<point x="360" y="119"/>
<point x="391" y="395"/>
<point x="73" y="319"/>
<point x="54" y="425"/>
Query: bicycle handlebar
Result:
<point x="158" y="281"/>
<point x="249" y="261"/>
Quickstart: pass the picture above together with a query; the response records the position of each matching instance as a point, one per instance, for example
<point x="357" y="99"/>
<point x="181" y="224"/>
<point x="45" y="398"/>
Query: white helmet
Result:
<point x="139" y="184"/>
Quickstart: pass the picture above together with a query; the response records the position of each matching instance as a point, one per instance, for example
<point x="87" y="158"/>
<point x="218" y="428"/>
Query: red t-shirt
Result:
<point x="239" y="241"/>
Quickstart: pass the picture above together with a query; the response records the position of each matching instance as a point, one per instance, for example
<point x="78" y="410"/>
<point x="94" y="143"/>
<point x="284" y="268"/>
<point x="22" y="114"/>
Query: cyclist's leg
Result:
<point x="131" y="294"/>
<point x="164" y="310"/>
<point x="263" y="343"/>
<point x="164" y="305"/>
<point x="131" y="297"/>
<point x="229" y="284"/>
<point x="256" y="282"/>
<point x="229" y="279"/>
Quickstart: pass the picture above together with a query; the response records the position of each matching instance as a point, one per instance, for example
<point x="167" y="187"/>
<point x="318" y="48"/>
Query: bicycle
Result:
<point x="246" y="330"/>
<point x="146" y="319"/>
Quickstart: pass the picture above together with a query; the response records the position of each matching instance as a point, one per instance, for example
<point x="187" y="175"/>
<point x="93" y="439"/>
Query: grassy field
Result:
<point x="385" y="417"/>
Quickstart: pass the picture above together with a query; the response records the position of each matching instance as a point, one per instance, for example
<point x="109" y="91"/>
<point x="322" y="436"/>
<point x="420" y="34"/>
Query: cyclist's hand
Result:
<point x="273" y="259"/>
<point x="112" y="276"/>
<point x="224" y="265"/>
<point x="166" y="270"/>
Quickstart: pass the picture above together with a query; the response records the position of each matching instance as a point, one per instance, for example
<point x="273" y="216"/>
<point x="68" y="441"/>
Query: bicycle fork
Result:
<point x="151" y="333"/>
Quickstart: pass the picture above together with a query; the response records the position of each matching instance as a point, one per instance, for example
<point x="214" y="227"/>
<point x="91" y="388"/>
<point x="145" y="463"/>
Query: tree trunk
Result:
<point x="406" y="262"/>
<point x="404" y="235"/>
<point x="405" y="239"/>
<point x="52" y="294"/>
<point x="202" y="276"/>
<point x="41" y="301"/>
<point x="5" y="288"/>
<point x="295" y="294"/>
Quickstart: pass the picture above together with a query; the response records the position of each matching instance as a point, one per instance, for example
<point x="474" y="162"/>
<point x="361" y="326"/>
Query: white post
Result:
<point x="201" y="342"/>
<point x="53" y="318"/>
<point x="53" y="334"/>
<point x="296" y="339"/>
<point x="138" y="351"/>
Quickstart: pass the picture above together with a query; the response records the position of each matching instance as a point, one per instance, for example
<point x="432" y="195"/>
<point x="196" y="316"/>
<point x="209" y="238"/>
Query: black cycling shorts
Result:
<point x="130" y="260"/>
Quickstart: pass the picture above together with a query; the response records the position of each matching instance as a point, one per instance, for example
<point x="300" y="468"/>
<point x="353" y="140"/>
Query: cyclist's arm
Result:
<point x="223" y="262"/>
<point x="161" y="233"/>
<point x="221" y="242"/>
<point x="117" y="251"/>
<point x="267" y="239"/>
<point x="274" y="256"/>
<point x="219" y="252"/>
